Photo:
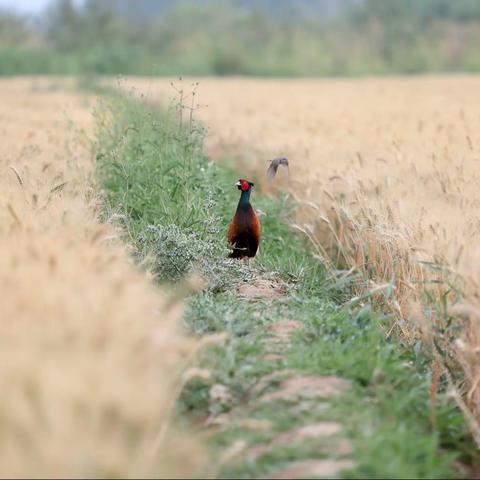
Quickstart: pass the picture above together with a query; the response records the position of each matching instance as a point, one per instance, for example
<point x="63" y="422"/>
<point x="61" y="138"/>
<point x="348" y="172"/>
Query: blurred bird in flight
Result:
<point x="273" y="168"/>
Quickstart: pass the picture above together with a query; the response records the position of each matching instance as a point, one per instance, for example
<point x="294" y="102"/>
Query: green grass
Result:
<point x="175" y="206"/>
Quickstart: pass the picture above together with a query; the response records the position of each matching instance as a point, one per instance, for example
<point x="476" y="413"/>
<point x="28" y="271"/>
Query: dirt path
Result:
<point x="292" y="387"/>
<point x="323" y="451"/>
<point x="76" y="317"/>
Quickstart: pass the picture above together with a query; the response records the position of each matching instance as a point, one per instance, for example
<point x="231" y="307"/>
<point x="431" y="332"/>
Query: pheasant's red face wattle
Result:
<point x="244" y="185"/>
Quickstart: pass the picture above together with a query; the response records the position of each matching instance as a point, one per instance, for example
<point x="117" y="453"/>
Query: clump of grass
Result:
<point x="174" y="253"/>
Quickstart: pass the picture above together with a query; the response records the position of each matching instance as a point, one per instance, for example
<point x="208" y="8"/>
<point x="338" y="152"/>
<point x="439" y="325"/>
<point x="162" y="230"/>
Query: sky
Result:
<point x="24" y="6"/>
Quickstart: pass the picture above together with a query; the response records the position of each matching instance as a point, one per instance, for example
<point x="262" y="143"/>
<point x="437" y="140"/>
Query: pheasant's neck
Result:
<point x="244" y="199"/>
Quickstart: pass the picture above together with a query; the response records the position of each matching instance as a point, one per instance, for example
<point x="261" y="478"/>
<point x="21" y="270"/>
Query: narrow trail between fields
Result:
<point x="291" y="391"/>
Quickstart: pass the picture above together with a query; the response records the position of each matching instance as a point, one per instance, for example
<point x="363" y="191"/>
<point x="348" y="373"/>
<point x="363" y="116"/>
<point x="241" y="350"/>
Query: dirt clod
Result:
<point x="255" y="424"/>
<point x="313" y="468"/>
<point x="307" y="387"/>
<point x="308" y="432"/>
<point x="272" y="357"/>
<point x="261" y="289"/>
<point x="265" y="382"/>
<point x="282" y="330"/>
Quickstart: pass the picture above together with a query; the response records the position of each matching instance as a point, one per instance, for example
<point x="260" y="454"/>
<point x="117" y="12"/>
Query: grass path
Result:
<point x="303" y="361"/>
<point x="275" y="417"/>
<point x="305" y="379"/>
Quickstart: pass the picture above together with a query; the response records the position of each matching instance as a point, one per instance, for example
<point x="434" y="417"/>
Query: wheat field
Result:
<point x="387" y="175"/>
<point x="90" y="356"/>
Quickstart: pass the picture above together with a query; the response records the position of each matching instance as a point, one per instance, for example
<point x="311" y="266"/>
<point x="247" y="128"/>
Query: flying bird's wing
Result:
<point x="272" y="170"/>
<point x="273" y="167"/>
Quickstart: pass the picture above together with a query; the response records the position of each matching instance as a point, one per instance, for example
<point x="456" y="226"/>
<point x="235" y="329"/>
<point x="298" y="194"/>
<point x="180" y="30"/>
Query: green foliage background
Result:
<point x="229" y="37"/>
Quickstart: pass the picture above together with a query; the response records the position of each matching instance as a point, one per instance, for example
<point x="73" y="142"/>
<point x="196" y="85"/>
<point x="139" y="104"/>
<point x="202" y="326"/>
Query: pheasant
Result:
<point x="245" y="230"/>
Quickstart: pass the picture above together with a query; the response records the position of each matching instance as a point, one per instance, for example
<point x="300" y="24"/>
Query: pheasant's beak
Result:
<point x="238" y="184"/>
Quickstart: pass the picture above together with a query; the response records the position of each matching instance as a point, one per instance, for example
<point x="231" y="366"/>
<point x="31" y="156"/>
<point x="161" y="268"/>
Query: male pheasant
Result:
<point x="245" y="230"/>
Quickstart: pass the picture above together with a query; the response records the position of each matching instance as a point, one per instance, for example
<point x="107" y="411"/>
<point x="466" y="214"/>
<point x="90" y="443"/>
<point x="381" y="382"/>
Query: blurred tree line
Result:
<point x="244" y="37"/>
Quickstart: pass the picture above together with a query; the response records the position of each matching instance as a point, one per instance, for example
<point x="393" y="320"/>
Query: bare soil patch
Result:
<point x="295" y="388"/>
<point x="311" y="432"/>
<point x="281" y="331"/>
<point x="313" y="468"/>
<point x="261" y="289"/>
